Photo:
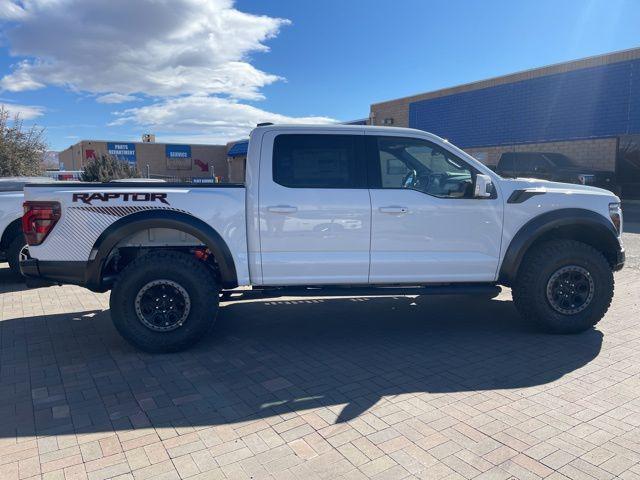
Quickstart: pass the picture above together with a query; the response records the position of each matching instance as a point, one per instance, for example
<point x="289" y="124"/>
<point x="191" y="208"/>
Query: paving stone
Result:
<point x="318" y="389"/>
<point x="557" y="459"/>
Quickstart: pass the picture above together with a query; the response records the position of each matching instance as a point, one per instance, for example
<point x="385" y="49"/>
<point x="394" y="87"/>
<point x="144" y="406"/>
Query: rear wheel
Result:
<point x="164" y="301"/>
<point x="18" y="250"/>
<point x="564" y="285"/>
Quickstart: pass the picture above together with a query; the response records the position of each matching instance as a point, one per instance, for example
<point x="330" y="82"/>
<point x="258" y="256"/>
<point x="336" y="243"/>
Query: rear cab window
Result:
<point x="319" y="161"/>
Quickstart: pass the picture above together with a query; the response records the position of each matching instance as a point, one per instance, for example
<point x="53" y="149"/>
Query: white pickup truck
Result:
<point x="13" y="246"/>
<point x="340" y="210"/>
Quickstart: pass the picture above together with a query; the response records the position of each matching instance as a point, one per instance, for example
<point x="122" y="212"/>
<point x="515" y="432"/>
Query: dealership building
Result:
<point x="587" y="109"/>
<point x="157" y="160"/>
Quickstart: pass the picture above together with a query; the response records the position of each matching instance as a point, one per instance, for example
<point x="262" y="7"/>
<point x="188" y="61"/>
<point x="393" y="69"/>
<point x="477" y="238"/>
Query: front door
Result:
<point x="314" y="209"/>
<point x="426" y="225"/>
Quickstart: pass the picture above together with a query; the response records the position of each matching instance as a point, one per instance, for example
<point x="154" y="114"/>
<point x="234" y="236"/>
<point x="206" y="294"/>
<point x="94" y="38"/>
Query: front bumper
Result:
<point x="619" y="260"/>
<point x="42" y="273"/>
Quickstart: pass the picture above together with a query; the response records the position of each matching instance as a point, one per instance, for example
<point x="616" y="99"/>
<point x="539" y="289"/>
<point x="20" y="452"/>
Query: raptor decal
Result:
<point x="87" y="198"/>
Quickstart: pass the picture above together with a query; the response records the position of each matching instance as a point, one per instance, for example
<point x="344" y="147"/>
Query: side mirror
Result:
<point x="483" y="187"/>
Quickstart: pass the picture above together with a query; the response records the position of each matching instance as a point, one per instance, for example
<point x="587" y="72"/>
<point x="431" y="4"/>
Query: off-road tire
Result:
<point x="13" y="254"/>
<point x="538" y="267"/>
<point x="191" y="274"/>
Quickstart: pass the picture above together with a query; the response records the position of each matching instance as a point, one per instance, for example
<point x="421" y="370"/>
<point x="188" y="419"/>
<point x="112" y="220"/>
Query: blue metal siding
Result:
<point x="588" y="103"/>
<point x="634" y="105"/>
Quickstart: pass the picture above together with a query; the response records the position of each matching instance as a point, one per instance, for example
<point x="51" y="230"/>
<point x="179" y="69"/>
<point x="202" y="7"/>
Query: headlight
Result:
<point x="586" y="178"/>
<point x="615" y="213"/>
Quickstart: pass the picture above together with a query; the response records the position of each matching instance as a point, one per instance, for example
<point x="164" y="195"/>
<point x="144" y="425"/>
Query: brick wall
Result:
<point x="593" y="102"/>
<point x="599" y="154"/>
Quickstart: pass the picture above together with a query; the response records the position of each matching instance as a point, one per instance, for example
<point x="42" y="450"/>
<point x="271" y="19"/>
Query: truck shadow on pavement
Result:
<point x="72" y="373"/>
<point x="8" y="281"/>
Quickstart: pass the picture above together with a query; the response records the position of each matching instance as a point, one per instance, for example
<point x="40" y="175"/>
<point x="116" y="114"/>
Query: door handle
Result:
<point x="394" y="209"/>
<point x="282" y="209"/>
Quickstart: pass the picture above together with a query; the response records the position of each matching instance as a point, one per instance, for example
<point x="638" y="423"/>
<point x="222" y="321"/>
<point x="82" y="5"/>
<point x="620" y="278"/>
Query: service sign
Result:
<point x="123" y="151"/>
<point x="178" y="157"/>
<point x="203" y="180"/>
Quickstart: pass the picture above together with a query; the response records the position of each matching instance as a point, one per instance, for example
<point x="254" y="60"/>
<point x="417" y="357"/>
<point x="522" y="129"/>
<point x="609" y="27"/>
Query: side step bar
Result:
<point x="363" y="291"/>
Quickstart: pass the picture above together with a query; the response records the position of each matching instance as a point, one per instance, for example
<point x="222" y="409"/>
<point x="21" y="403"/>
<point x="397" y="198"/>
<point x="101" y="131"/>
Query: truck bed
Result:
<point x="89" y="209"/>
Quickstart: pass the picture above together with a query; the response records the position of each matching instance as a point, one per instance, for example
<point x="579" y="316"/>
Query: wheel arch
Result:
<point x="578" y="224"/>
<point x="136" y="222"/>
<point x="14" y="228"/>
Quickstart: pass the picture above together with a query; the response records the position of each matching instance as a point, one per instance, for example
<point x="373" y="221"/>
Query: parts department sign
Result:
<point x="178" y="157"/>
<point x="123" y="151"/>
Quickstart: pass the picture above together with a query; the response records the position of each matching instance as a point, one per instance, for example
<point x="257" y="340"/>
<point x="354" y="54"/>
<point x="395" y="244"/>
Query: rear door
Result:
<point x="314" y="208"/>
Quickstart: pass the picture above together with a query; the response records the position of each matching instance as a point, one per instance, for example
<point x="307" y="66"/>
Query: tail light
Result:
<point x="38" y="220"/>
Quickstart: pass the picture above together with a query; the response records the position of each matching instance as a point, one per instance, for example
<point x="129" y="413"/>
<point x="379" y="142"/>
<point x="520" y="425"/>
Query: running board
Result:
<point x="365" y="291"/>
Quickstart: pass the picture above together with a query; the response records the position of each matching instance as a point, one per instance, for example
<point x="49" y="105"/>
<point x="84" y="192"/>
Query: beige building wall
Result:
<point x="237" y="169"/>
<point x="237" y="165"/>
<point x="71" y="158"/>
<point x="153" y="155"/>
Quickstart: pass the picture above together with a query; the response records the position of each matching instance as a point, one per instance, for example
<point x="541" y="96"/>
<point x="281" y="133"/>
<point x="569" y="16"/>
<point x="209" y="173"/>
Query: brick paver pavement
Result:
<point x="385" y="388"/>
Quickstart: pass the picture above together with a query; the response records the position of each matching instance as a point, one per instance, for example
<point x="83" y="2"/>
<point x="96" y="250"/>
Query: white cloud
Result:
<point x="10" y="10"/>
<point x="204" y="119"/>
<point x="188" y="58"/>
<point x="116" y="98"/>
<point x="161" y="48"/>
<point x="25" y="112"/>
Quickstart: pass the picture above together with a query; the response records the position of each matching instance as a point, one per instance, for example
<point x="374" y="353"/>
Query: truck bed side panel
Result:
<point x="87" y="212"/>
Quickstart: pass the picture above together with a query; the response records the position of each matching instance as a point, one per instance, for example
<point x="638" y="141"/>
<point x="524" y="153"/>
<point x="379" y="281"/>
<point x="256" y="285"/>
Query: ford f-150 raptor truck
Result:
<point x="351" y="210"/>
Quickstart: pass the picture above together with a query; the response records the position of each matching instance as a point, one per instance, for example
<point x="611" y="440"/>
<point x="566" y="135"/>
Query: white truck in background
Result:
<point x="13" y="245"/>
<point x="328" y="210"/>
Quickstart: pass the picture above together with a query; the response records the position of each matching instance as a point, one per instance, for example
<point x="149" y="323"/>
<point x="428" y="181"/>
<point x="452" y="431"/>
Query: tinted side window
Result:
<point x="319" y="161"/>
<point x="419" y="165"/>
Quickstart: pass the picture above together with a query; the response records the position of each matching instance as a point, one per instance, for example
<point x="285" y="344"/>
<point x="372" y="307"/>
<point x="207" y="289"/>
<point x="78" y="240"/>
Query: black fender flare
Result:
<point x="13" y="229"/>
<point x="159" y="218"/>
<point x="600" y="229"/>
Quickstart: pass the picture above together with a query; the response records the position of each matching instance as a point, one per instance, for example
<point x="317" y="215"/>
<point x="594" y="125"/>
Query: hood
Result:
<point x="567" y="188"/>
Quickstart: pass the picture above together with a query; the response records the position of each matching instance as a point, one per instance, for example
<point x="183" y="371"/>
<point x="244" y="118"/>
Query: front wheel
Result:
<point x="564" y="285"/>
<point x="164" y="301"/>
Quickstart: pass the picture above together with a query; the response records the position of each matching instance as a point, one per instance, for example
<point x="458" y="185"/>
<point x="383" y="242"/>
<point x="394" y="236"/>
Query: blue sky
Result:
<point x="206" y="70"/>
